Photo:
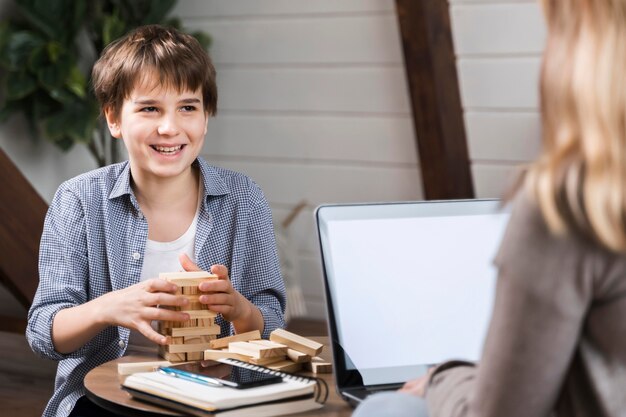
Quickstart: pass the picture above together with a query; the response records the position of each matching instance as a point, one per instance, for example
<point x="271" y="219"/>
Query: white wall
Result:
<point x="498" y="44"/>
<point x="313" y="105"/>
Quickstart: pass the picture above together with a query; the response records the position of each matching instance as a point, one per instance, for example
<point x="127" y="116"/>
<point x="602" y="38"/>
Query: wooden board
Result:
<point x="296" y="342"/>
<point x="241" y="337"/>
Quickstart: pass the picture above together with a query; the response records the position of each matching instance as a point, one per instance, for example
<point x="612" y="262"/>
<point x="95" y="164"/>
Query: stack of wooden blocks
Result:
<point x="285" y="351"/>
<point x="188" y="340"/>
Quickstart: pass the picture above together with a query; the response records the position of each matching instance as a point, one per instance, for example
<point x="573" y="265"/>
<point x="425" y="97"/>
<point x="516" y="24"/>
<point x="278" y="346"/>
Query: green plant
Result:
<point x="46" y="55"/>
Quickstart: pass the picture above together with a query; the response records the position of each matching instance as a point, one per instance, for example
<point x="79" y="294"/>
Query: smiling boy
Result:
<point x="109" y="232"/>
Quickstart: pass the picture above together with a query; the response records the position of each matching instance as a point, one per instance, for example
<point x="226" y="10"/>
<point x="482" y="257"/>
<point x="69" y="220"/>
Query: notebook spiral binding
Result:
<point x="321" y="387"/>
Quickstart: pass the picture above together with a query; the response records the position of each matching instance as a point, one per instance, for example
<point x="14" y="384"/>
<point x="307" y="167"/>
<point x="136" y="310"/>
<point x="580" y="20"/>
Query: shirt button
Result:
<point x="121" y="343"/>
<point x="136" y="256"/>
<point x="140" y="215"/>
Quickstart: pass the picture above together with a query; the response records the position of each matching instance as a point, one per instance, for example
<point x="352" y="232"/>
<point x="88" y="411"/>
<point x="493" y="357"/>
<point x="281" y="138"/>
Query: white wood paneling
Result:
<point x="290" y="183"/>
<point x="493" y="83"/>
<point x="487" y="28"/>
<point x="504" y="136"/>
<point x="498" y="45"/>
<point x="330" y="138"/>
<point x="316" y="41"/>
<point x="494" y="180"/>
<point x="191" y="9"/>
<point x="325" y="90"/>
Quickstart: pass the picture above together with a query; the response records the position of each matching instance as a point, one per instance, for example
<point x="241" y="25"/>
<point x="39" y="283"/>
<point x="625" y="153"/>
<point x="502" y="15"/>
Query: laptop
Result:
<point x="407" y="285"/>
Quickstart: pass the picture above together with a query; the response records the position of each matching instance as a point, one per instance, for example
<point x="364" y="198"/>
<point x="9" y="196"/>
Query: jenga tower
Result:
<point x="189" y="339"/>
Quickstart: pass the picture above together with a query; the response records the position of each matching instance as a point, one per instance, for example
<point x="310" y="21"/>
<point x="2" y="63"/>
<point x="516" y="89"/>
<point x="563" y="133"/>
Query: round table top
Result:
<point x="103" y="385"/>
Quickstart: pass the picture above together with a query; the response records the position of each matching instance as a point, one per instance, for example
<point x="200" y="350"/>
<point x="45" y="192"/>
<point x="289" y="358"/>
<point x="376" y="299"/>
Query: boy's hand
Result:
<point x="219" y="295"/>
<point x="417" y="386"/>
<point x="135" y="307"/>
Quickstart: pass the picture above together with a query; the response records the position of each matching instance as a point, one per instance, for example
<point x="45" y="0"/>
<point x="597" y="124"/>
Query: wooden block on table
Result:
<point x="298" y="357"/>
<point x="188" y="347"/>
<point x="268" y="360"/>
<point x="296" y="342"/>
<point x="212" y="354"/>
<point x="196" y="331"/>
<point x="164" y="327"/>
<point x="285" y="366"/>
<point x="256" y="350"/>
<point x="241" y="337"/>
<point x="319" y="366"/>
<point x="269" y="344"/>
<point x="130" y="368"/>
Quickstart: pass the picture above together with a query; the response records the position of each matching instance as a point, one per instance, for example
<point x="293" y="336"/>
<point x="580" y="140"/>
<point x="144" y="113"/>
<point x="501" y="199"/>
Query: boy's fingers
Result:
<point x="220" y="270"/>
<point x="159" y="285"/>
<point x="187" y="264"/>
<point x="149" y="332"/>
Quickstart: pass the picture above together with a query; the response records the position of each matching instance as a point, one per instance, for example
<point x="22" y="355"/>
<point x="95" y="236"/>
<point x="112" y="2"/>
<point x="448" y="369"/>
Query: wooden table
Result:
<point x="103" y="386"/>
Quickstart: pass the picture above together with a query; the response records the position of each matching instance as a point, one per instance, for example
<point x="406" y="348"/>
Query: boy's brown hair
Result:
<point x="178" y="59"/>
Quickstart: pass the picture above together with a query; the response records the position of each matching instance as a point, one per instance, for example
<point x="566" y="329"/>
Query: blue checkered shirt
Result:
<point x="94" y="240"/>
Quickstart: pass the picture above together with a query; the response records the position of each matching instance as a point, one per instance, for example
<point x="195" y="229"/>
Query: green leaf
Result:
<point x="204" y="39"/>
<point x="19" y="48"/>
<point x="112" y="29"/>
<point x="157" y="11"/>
<point x="54" y="49"/>
<point x="62" y="95"/>
<point x="19" y="84"/>
<point x="55" y="76"/>
<point x="76" y="120"/>
<point x="77" y="83"/>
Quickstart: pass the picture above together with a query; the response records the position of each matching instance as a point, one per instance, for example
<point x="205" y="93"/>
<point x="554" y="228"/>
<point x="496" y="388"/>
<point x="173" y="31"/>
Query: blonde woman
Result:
<point x="557" y="340"/>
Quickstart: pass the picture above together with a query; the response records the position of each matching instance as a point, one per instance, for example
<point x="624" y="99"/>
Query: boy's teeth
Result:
<point x="166" y="149"/>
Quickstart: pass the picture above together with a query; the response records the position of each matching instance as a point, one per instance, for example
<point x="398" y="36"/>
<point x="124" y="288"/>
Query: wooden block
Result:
<point x="268" y="344"/>
<point x="212" y="354"/>
<point x="172" y="357"/>
<point x="267" y="361"/>
<point x="198" y="339"/>
<point x="130" y="368"/>
<point x="296" y="342"/>
<point x="195" y="356"/>
<point x="187" y="279"/>
<point x="196" y="331"/>
<point x="190" y="347"/>
<point x="256" y="350"/>
<point x="200" y="314"/>
<point x="206" y="322"/>
<point x="319" y="366"/>
<point x="242" y="337"/>
<point x="298" y="357"/>
<point x="175" y="340"/>
<point x="285" y="366"/>
<point x="190" y="290"/>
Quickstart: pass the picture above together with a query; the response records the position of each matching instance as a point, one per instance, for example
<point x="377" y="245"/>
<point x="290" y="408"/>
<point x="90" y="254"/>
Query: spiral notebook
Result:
<point x="294" y="394"/>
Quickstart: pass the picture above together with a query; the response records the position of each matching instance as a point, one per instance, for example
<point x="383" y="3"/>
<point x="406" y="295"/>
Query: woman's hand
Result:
<point x="417" y="386"/>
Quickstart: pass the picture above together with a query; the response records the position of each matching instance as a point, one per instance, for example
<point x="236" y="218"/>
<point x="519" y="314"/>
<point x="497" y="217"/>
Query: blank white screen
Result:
<point x="413" y="290"/>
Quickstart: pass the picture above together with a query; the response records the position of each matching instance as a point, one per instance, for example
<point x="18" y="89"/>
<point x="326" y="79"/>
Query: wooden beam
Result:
<point x="434" y="91"/>
<point x="22" y="213"/>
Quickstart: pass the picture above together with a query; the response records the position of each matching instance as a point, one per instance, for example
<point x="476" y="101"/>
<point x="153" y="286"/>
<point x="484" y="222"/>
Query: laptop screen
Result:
<point x="408" y="284"/>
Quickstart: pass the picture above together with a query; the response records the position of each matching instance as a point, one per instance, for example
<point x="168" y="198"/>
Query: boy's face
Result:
<point x="163" y="130"/>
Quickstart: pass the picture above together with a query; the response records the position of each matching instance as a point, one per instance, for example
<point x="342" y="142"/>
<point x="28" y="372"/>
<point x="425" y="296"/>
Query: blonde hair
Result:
<point x="579" y="180"/>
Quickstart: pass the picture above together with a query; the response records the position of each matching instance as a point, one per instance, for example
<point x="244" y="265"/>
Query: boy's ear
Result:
<point x="112" y="122"/>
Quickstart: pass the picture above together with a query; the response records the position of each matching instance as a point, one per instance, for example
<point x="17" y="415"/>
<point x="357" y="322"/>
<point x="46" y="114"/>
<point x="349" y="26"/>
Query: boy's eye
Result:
<point x="188" y="108"/>
<point x="149" y="109"/>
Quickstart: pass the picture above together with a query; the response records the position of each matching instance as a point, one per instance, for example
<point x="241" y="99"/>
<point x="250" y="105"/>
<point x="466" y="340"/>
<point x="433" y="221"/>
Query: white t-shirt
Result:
<point x="163" y="257"/>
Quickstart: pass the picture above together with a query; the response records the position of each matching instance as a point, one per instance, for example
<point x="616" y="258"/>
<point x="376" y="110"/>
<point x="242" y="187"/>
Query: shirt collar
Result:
<point x="212" y="181"/>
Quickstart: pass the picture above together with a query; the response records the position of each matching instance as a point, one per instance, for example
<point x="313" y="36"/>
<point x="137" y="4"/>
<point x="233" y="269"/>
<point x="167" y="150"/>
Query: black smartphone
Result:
<point x="221" y="374"/>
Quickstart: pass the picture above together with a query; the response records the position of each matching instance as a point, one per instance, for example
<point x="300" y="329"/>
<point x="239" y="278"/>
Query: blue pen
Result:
<point x="200" y="379"/>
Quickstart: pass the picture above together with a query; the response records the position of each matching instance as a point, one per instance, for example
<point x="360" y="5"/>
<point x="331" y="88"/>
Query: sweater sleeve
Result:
<point x="543" y="291"/>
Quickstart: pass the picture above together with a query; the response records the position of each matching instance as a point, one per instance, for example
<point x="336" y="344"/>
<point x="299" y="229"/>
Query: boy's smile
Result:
<point x="163" y="129"/>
